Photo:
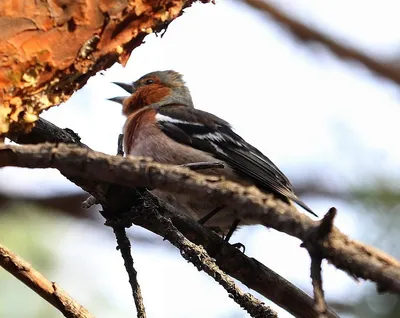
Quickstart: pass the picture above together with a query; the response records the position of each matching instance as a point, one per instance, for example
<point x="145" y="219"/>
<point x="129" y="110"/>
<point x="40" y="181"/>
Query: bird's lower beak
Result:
<point x="118" y="99"/>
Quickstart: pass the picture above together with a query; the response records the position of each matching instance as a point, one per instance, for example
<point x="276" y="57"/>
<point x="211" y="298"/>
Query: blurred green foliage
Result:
<point x="23" y="230"/>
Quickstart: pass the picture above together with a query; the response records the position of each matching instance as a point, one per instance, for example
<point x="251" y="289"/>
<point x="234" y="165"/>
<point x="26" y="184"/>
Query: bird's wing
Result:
<point x="207" y="132"/>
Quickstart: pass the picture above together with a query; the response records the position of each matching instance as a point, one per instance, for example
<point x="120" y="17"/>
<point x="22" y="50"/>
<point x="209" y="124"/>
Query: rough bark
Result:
<point x="353" y="257"/>
<point x="49" y="49"/>
<point x="233" y="262"/>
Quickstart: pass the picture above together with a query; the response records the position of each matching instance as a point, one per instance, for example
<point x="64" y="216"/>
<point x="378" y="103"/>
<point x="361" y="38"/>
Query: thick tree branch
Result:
<point x="49" y="291"/>
<point x="307" y="34"/>
<point x="37" y="72"/>
<point x="228" y="258"/>
<point x="353" y="257"/>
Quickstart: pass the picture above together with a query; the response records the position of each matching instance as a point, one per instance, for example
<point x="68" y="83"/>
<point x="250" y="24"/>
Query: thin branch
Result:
<point x="49" y="291"/>
<point x="228" y="258"/>
<point x="125" y="248"/>
<point x="124" y="245"/>
<point x="319" y="234"/>
<point x="353" y="257"/>
<point x="198" y="256"/>
<point x="306" y="34"/>
<point x="320" y="304"/>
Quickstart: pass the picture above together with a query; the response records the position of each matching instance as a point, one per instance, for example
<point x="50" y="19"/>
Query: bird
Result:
<point x="162" y="123"/>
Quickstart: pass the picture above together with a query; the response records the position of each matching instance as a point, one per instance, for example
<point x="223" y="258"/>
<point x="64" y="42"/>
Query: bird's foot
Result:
<point x="232" y="229"/>
<point x="204" y="219"/>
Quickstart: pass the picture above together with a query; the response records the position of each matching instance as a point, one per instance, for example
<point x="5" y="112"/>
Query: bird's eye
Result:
<point x="149" y="81"/>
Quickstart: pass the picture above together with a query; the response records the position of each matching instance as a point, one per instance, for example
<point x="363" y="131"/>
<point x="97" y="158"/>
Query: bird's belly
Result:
<point x="164" y="150"/>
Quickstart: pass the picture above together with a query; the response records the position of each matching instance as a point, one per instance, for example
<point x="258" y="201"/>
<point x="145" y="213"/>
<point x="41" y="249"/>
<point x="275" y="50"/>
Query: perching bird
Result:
<point x="163" y="124"/>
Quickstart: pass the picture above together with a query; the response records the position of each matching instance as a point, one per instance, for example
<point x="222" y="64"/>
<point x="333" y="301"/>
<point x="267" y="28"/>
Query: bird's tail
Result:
<point x="303" y="205"/>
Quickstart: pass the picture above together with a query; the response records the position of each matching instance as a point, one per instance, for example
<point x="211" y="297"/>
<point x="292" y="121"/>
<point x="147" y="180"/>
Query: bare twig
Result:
<point x="107" y="34"/>
<point x="125" y="248"/>
<point x="228" y="258"/>
<point x="124" y="245"/>
<point x="353" y="257"/>
<point x="49" y="291"/>
<point x="312" y="244"/>
<point x="198" y="256"/>
<point x="320" y="304"/>
<point x="306" y="33"/>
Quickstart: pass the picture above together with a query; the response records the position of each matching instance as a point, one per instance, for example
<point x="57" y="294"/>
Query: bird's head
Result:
<point x="154" y="89"/>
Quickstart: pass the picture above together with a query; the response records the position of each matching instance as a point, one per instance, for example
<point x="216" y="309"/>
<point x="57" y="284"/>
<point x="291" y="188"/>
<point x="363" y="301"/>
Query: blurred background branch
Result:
<point x="387" y="69"/>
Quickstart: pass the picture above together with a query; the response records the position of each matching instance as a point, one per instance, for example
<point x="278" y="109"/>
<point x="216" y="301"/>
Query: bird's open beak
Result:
<point x="130" y="88"/>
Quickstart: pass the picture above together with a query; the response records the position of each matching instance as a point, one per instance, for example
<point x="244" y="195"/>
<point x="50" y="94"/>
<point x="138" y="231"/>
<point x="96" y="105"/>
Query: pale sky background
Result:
<point x="315" y="116"/>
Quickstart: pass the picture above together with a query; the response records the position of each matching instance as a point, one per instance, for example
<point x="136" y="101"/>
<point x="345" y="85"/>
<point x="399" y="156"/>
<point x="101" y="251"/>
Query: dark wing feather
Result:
<point x="209" y="133"/>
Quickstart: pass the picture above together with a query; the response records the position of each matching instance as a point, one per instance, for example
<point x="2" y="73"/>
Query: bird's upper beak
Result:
<point x="130" y="88"/>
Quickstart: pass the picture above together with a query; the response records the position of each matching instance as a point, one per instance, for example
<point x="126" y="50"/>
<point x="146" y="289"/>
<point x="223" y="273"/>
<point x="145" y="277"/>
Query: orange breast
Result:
<point x="135" y="123"/>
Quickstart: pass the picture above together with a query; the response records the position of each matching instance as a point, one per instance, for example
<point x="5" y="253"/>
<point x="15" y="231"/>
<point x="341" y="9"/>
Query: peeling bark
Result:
<point x="49" y="49"/>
